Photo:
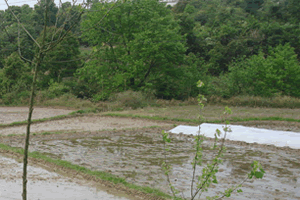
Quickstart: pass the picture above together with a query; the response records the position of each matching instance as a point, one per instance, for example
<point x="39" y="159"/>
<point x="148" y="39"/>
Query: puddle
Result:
<point x="137" y="157"/>
<point x="44" y="185"/>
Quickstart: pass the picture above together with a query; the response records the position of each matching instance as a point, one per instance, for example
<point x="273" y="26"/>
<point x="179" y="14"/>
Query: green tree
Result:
<point x="260" y="76"/>
<point x="43" y="48"/>
<point x="54" y="65"/>
<point x="137" y="43"/>
<point x="39" y="17"/>
<point x="9" y="33"/>
<point x="16" y="74"/>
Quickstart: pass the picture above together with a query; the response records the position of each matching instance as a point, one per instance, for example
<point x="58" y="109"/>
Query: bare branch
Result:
<point x="56" y="19"/>
<point x="19" y="48"/>
<point x="22" y="25"/>
<point x="62" y="37"/>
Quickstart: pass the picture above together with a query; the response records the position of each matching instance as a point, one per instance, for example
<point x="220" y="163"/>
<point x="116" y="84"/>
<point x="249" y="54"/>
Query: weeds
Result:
<point x="232" y="119"/>
<point x="134" y="100"/>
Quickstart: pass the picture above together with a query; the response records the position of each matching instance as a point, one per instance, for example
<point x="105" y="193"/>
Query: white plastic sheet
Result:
<point x="246" y="134"/>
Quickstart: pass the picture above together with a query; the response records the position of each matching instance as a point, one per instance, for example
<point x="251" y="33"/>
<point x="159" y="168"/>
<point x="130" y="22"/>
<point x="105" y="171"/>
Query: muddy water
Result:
<point x="137" y="156"/>
<point x="43" y="184"/>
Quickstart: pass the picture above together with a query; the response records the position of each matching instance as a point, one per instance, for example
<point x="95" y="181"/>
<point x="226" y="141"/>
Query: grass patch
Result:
<point x="134" y="100"/>
<point x="255" y="101"/>
<point x="98" y="174"/>
<point x="234" y="119"/>
<point x="213" y="112"/>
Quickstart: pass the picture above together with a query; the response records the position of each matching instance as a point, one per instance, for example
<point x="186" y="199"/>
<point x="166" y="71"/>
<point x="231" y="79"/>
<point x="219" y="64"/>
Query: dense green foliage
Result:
<point x="134" y="49"/>
<point x="237" y="47"/>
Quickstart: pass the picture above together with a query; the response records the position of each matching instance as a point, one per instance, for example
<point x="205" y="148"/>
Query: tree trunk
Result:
<point x="24" y="194"/>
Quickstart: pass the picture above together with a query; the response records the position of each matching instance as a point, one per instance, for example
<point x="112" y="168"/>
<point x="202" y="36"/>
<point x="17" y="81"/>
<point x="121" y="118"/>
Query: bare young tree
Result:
<point x="43" y="48"/>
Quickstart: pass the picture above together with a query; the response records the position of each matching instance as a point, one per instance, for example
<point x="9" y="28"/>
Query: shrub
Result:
<point x="218" y="86"/>
<point x="16" y="98"/>
<point x="130" y="99"/>
<point x="278" y="73"/>
<point x="57" y="89"/>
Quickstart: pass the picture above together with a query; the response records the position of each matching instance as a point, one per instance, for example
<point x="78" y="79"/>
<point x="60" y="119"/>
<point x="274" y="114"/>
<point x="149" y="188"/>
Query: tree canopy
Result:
<point x="137" y="43"/>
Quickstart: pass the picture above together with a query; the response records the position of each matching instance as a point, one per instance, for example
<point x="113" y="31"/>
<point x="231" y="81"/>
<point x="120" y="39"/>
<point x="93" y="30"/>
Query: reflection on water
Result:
<point x="43" y="185"/>
<point x="48" y="191"/>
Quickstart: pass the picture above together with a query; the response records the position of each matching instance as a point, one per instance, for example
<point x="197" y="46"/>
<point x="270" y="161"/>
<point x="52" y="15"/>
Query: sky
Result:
<point x="31" y="3"/>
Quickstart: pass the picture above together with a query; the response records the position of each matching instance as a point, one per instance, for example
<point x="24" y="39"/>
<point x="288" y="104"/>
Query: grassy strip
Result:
<point x="98" y="174"/>
<point x="233" y="119"/>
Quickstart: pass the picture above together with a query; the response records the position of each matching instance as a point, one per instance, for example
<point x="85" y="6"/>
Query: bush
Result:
<point x="130" y="99"/>
<point x="16" y="98"/>
<point x="102" y="96"/>
<point x="279" y="73"/>
<point x="218" y="86"/>
<point x="57" y="89"/>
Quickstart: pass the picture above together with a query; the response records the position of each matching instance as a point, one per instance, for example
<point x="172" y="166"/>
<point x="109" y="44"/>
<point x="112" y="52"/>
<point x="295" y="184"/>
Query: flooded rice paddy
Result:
<point x="45" y="185"/>
<point x="137" y="156"/>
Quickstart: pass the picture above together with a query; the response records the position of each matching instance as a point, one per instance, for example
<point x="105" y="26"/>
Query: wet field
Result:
<point x="137" y="156"/>
<point x="45" y="185"/>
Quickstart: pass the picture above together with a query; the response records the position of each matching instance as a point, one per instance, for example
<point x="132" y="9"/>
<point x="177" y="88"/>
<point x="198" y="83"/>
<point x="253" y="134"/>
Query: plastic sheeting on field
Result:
<point x="246" y="134"/>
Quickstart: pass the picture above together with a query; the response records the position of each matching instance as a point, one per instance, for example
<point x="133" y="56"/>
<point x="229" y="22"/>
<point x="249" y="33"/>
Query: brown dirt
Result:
<point x="83" y="123"/>
<point x="15" y="114"/>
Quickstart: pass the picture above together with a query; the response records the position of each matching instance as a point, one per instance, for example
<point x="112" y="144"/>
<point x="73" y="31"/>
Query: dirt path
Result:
<point x="84" y="123"/>
<point x="15" y="114"/>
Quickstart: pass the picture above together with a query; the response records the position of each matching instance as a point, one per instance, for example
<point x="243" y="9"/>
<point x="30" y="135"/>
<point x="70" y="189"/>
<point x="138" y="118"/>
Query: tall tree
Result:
<point x="39" y="15"/>
<point x="43" y="47"/>
<point x="138" y="43"/>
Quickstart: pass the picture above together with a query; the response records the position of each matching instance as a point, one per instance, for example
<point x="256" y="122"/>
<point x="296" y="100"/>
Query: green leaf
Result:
<point x="239" y="190"/>
<point x="259" y="174"/>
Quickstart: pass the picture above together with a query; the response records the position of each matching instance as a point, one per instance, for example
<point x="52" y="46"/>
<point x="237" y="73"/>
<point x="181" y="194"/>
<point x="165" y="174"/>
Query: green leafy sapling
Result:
<point x="208" y="175"/>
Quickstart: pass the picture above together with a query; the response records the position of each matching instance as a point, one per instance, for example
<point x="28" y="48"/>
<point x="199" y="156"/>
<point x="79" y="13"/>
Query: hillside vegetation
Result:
<point x="141" y="53"/>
